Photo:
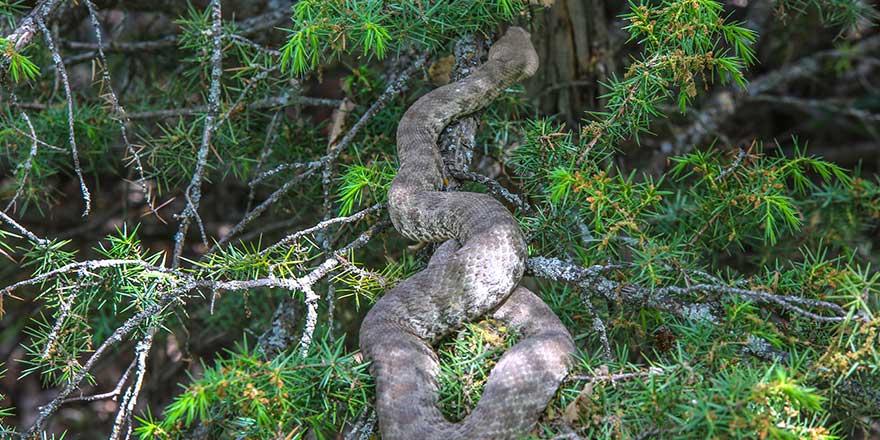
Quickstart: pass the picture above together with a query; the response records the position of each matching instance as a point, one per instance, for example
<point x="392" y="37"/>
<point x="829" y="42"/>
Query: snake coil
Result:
<point x="474" y="273"/>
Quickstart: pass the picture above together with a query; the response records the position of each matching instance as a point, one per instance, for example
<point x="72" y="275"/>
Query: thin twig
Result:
<point x="37" y="140"/>
<point x="739" y="158"/>
<point x="262" y="207"/>
<point x="322" y="225"/>
<point x="64" y="307"/>
<point x="23" y="231"/>
<point x="306" y="283"/>
<point x="613" y="378"/>
<point x="116" y="337"/>
<point x="193" y="192"/>
<point x="249" y="26"/>
<point x="235" y="106"/>
<point x="82" y="266"/>
<point x="599" y="327"/>
<point x="110" y="394"/>
<point x="126" y="407"/>
<point x="59" y="65"/>
<point x="820" y="105"/>
<point x="263" y="175"/>
<point x="117" y="107"/>
<point x="324" y="235"/>
<point x="27" y="28"/>
<point x="126" y="46"/>
<point x="363" y="427"/>
<point x="284" y="100"/>
<point x="28" y="164"/>
<point x="495" y="187"/>
<point x="271" y="134"/>
<point x="458" y="140"/>
<point x="248" y="42"/>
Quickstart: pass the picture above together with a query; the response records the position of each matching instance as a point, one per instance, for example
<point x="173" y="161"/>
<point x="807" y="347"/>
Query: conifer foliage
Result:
<point x="194" y="195"/>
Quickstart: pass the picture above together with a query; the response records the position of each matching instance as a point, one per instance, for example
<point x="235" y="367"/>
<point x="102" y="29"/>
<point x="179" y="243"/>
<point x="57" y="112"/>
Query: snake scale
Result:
<point x="474" y="273"/>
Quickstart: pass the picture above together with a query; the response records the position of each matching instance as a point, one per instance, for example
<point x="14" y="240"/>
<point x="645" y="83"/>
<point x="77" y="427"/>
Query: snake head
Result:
<point x="515" y="49"/>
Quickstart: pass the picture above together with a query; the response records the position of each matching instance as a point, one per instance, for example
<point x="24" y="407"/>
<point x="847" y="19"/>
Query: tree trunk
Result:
<point x="574" y="46"/>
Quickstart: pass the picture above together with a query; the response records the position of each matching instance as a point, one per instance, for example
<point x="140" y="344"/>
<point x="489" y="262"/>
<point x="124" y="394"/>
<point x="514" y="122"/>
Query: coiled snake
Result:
<point x="474" y="273"/>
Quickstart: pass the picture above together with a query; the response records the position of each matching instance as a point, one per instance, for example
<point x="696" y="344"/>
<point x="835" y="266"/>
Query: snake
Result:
<point x="473" y="274"/>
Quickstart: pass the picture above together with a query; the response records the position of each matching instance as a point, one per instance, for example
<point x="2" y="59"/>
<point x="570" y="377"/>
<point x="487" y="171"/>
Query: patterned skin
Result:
<point x="473" y="274"/>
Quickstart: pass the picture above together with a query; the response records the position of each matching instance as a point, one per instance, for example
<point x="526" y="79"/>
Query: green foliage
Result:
<point x="707" y="205"/>
<point x="5" y="412"/>
<point x="196" y="41"/>
<point x="466" y="359"/>
<point x="93" y="130"/>
<point x="249" y="75"/>
<point x="359" y="182"/>
<point x="359" y="282"/>
<point x="20" y="67"/>
<point x="763" y="190"/>
<point x="9" y="9"/>
<point x="373" y="28"/>
<point x="684" y="40"/>
<point x="247" y="395"/>
<point x="694" y="402"/>
<point x="6" y="248"/>
<point x="841" y="13"/>
<point x="73" y="323"/>
<point x="249" y="262"/>
<point x="789" y="221"/>
<point x="691" y="379"/>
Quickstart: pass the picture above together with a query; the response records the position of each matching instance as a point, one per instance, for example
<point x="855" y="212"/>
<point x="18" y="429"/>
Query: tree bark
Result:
<point x="575" y="50"/>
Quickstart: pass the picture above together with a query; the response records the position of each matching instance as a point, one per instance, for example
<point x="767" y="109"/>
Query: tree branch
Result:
<point x="59" y="66"/>
<point x="394" y="88"/>
<point x="667" y="299"/>
<point x="193" y="192"/>
<point x="725" y="103"/>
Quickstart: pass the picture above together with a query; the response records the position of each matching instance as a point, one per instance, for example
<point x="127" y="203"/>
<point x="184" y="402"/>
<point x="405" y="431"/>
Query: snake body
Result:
<point x="474" y="273"/>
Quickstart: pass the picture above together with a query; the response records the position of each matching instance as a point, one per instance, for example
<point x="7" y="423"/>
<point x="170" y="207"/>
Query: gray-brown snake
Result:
<point x="473" y="274"/>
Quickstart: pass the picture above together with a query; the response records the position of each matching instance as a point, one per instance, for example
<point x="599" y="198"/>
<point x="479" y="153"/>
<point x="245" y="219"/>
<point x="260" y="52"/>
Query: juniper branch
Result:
<point x="363" y="427"/>
<point x="117" y="107"/>
<point x="396" y="87"/>
<point x="126" y="407"/>
<point x="281" y="101"/>
<point x="323" y="225"/>
<point x="59" y="65"/>
<point x="736" y="163"/>
<point x="599" y="327"/>
<point x="193" y="192"/>
<point x="458" y="140"/>
<point x="819" y="105"/>
<point x="271" y="134"/>
<point x="186" y="284"/>
<point x="82" y="266"/>
<point x="495" y="188"/>
<point x="117" y="46"/>
<point x="665" y="298"/>
<point x="110" y="394"/>
<point x="248" y="26"/>
<point x="653" y="371"/>
<point x="28" y="164"/>
<point x="725" y="103"/>
<point x="263" y="175"/>
<point x="28" y="28"/>
<point x="23" y="231"/>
